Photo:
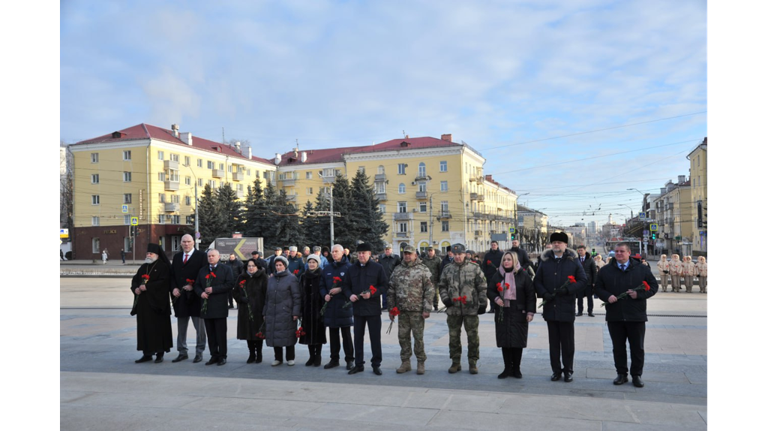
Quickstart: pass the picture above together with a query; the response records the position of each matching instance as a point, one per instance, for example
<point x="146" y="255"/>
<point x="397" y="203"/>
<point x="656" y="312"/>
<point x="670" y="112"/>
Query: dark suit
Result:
<point x="217" y="310"/>
<point x="187" y="306"/>
<point x="590" y="269"/>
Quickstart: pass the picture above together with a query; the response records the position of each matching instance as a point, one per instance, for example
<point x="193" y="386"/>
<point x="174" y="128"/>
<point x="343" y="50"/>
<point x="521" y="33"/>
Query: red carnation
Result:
<point x="295" y="272"/>
<point x="190" y="281"/>
<point x="647" y="286"/>
<point x="394" y="312"/>
<point x="498" y="287"/>
<point x="488" y="262"/>
<point x="145" y="277"/>
<point x="336" y="280"/>
<point x="242" y="284"/>
<point x="372" y="289"/>
<point x="572" y="279"/>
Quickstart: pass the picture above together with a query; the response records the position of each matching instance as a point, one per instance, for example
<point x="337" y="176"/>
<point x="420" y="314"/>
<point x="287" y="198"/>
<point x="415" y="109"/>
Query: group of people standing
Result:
<point x="282" y="303"/>
<point x="678" y="272"/>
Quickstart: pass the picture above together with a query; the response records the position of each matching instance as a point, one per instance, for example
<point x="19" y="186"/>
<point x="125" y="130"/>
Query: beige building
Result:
<point x="150" y="173"/>
<point x="431" y="191"/>
<point x="698" y="159"/>
<point x="533" y="228"/>
<point x="674" y="212"/>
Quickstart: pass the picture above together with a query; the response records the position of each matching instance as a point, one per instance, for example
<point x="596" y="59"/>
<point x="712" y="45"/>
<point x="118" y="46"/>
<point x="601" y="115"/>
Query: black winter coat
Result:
<point x="256" y="292"/>
<point x="552" y="274"/>
<point x="311" y="303"/>
<point x="335" y="315"/>
<point x="360" y="278"/>
<point x="590" y="269"/>
<point x="218" y="305"/>
<point x="512" y="331"/>
<point x="188" y="304"/>
<point x="611" y="280"/>
<point x="522" y="257"/>
<point x="153" y="309"/>
<point x="494" y="256"/>
<point x="389" y="263"/>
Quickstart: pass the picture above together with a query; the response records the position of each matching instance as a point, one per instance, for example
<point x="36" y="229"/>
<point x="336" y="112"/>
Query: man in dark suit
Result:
<point x="590" y="269"/>
<point x="213" y="283"/>
<point x="186" y="305"/>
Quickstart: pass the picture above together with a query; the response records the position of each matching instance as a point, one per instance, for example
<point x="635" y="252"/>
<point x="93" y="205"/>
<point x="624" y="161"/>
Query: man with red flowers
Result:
<point x="213" y="283"/>
<point x="366" y="305"/>
<point x="551" y="283"/>
<point x="626" y="317"/>
<point x="491" y="262"/>
<point x="185" y="267"/>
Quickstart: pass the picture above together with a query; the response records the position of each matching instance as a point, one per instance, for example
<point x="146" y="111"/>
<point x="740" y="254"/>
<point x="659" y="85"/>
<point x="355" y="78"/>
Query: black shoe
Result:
<point x="145" y="358"/>
<point x="356" y="370"/>
<point x="580" y="314"/>
<point x="504" y="374"/>
<point x="591" y="315"/>
<point x="198" y="358"/>
<point x="556" y="376"/>
<point x="350" y="365"/>
<point x="251" y="358"/>
<point x="333" y="364"/>
<point x="180" y="358"/>
<point x="159" y="359"/>
<point x="637" y="382"/>
<point x="377" y="371"/>
<point x="222" y="361"/>
<point x="568" y="377"/>
<point x="516" y="373"/>
<point x="620" y="379"/>
<point x="258" y="357"/>
<point x="310" y="362"/>
<point x="318" y="361"/>
<point x="212" y="361"/>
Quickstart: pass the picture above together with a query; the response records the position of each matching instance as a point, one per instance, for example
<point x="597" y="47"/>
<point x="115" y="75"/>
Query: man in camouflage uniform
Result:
<point x="463" y="291"/>
<point x="411" y="291"/>
<point x="433" y="263"/>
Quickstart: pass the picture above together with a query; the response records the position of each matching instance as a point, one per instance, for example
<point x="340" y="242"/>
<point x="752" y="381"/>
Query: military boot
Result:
<point x="420" y="367"/>
<point x="455" y="368"/>
<point x="404" y="367"/>
<point x="472" y="367"/>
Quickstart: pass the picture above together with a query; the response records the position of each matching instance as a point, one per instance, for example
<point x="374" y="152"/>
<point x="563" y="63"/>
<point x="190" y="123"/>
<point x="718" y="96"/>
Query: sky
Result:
<point x="570" y="103"/>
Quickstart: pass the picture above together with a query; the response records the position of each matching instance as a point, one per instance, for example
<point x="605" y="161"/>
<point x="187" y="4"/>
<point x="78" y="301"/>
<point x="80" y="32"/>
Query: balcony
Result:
<point x="421" y="196"/>
<point x="171" y="207"/>
<point x="381" y="196"/>
<point x="444" y="214"/>
<point x="403" y="216"/>
<point x="380" y="178"/>
<point x="287" y="182"/>
<point x="478" y="233"/>
<point x="421" y="178"/>
<point x="403" y="235"/>
<point x="171" y="164"/>
<point x="477" y="197"/>
<point x="480" y="216"/>
<point x="218" y="173"/>
<point x="290" y="198"/>
<point x="171" y="186"/>
<point x="329" y="180"/>
<point x="238" y="176"/>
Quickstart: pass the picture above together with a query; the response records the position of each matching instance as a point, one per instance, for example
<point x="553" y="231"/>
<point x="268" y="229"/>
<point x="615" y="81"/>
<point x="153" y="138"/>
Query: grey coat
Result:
<point x="282" y="303"/>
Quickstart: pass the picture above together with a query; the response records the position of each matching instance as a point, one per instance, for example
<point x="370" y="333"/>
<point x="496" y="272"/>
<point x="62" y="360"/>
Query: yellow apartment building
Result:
<point x="150" y="173"/>
<point x="698" y="159"/>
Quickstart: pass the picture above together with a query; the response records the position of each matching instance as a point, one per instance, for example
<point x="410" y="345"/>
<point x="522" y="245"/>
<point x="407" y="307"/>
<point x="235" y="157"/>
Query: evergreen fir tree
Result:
<point x="345" y="227"/>
<point x="231" y="209"/>
<point x="366" y="208"/>
<point x="212" y="224"/>
<point x="270" y="218"/>
<point x="255" y="209"/>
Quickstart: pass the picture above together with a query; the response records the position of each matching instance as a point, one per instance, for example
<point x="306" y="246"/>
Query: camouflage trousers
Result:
<point x="407" y="322"/>
<point x="471" y="324"/>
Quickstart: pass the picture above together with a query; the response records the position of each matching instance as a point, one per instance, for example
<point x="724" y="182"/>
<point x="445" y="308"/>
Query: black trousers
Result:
<point x="216" y="330"/>
<point x="634" y="332"/>
<point x="290" y="353"/>
<point x="374" y="328"/>
<point x="561" y="341"/>
<point x="590" y="303"/>
<point x="346" y="338"/>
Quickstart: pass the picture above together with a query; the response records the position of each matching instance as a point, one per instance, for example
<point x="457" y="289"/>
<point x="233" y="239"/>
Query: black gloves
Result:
<point x="481" y="310"/>
<point x="447" y="303"/>
<point x="562" y="292"/>
<point x="548" y="297"/>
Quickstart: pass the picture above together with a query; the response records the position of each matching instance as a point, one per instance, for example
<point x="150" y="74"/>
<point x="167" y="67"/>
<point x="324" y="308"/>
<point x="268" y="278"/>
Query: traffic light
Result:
<point x="653" y="235"/>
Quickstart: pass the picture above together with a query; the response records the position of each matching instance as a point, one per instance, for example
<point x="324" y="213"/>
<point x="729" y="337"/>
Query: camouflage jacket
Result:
<point x="434" y="267"/>
<point x="410" y="287"/>
<point x="462" y="280"/>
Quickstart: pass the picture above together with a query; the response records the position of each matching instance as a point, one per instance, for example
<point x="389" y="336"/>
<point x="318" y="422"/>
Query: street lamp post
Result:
<point x="197" y="219"/>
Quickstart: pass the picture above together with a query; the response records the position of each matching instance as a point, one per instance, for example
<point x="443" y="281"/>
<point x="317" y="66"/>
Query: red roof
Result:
<point x="145" y="131"/>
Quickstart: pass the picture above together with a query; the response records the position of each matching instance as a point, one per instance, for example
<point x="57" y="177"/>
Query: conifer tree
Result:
<point x="366" y="208"/>
<point x="255" y="209"/>
<point x="230" y="208"/>
<point x="212" y="224"/>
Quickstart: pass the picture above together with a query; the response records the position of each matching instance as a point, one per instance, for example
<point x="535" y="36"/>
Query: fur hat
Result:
<point x="364" y="246"/>
<point x="559" y="236"/>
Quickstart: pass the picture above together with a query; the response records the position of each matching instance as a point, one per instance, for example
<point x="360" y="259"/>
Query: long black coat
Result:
<point x="359" y="279"/>
<point x="218" y="305"/>
<point x="611" y="280"/>
<point x="552" y="274"/>
<point x="283" y="302"/>
<point x="590" y="270"/>
<point x="336" y="316"/>
<point x="512" y="331"/>
<point x="494" y="257"/>
<point x="311" y="302"/>
<point x="522" y="257"/>
<point x="153" y="308"/>
<point x="188" y="304"/>
<point x="256" y="292"/>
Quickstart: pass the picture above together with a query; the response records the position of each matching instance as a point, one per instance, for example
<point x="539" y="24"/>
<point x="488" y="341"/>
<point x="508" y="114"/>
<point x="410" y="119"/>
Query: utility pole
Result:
<point x="331" y="215"/>
<point x="431" y="220"/>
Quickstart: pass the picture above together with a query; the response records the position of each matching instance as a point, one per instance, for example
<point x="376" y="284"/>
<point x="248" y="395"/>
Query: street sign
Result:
<point x="134" y="221"/>
<point x="654" y="227"/>
<point x="645" y="232"/>
<point x="63" y="233"/>
<point x="512" y="230"/>
<point x="125" y="209"/>
<point x="645" y="241"/>
<point x="642" y="216"/>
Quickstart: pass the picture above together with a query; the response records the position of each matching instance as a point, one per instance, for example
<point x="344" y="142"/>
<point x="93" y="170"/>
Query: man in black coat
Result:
<point x="590" y="269"/>
<point x="366" y="307"/>
<point x="337" y="318"/>
<point x="626" y="317"/>
<point x="552" y="284"/>
<point x="388" y="261"/>
<point x="490" y="264"/>
<point x="260" y="263"/>
<point x="151" y="307"/>
<point x="522" y="256"/>
<point x="185" y="267"/>
<point x="213" y="283"/>
<point x="237" y="267"/>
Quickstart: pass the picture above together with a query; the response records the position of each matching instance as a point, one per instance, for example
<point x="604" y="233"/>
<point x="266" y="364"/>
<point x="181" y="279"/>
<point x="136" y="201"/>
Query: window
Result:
<point x="126" y="155"/>
<point x="187" y="200"/>
<point x="190" y="220"/>
<point x="401" y="188"/>
<point x="199" y="182"/>
<point x="95" y="159"/>
<point x="174" y="157"/>
<point x="126" y="219"/>
<point x="161" y="219"/>
<point x="211" y="165"/>
<point x="175" y="199"/>
<point x="94" y="199"/>
<point x="188" y="181"/>
<point x="95" y="245"/>
<point x="127" y="198"/>
<point x="94" y="221"/>
<point x="212" y="183"/>
<point x="446" y="226"/>
<point x="309" y="190"/>
<point x="383" y="208"/>
<point x="94" y="178"/>
<point x="186" y="160"/>
<point x="402" y="207"/>
<point x="361" y="169"/>
<point x="422" y="169"/>
<point x="221" y="166"/>
<point x="423" y="207"/>
<point x="229" y="168"/>
<point x="443" y="166"/>
<point x="240" y="187"/>
<point x="160" y="155"/>
<point x="380" y="169"/>
<point x="175" y="219"/>
<point x="199" y="163"/>
<point x="422" y="186"/>
<point x="161" y="197"/>
<point x="256" y="172"/>
<point x="308" y="175"/>
<point x="161" y="176"/>
<point x="381" y="187"/>
<point x="443" y="186"/>
<point x="402" y="227"/>
<point x="401" y="168"/>
<point x="423" y="226"/>
<point x="126" y="177"/>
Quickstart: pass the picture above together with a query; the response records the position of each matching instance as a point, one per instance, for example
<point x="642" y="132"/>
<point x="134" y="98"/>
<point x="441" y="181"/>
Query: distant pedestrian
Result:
<point x="701" y="272"/>
<point x="61" y="254"/>
<point x="104" y="256"/>
<point x="122" y="255"/>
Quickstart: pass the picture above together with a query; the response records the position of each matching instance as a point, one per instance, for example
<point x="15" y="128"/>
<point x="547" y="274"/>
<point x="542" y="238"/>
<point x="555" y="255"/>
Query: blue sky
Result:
<point x="505" y="77"/>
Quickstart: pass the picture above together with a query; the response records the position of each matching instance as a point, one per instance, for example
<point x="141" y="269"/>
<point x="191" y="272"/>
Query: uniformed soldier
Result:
<point x="432" y="261"/>
<point x="463" y="291"/>
<point x="411" y="291"/>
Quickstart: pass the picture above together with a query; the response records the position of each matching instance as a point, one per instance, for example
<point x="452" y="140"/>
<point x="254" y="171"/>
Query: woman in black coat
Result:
<point x="313" y="334"/>
<point x="511" y="289"/>
<point x="250" y="293"/>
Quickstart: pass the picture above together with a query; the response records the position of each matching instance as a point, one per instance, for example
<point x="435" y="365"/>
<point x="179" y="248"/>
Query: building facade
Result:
<point x="698" y="159"/>
<point x="674" y="211"/>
